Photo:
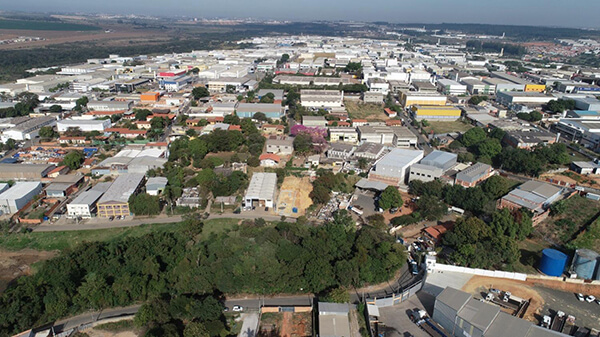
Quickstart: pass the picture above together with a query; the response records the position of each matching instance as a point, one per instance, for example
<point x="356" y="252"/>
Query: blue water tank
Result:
<point x="584" y="263"/>
<point x="552" y="262"/>
<point x="295" y="210"/>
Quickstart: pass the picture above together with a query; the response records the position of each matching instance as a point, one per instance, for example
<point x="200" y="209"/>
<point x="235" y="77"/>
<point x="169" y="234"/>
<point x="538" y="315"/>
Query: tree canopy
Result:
<point x="200" y="92"/>
<point x="390" y="198"/>
<point x="73" y="159"/>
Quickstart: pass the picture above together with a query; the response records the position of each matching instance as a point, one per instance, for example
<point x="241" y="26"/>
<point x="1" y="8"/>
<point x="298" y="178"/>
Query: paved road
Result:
<point x="90" y="317"/>
<point x="158" y="220"/>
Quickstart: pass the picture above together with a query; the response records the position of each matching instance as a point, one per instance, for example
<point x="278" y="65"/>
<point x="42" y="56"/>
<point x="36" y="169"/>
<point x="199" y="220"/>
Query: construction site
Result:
<point x="294" y="196"/>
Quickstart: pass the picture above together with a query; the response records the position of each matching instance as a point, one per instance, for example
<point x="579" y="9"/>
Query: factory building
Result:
<point x="321" y="98"/>
<point x="115" y="201"/>
<point x="16" y="197"/>
<point x="393" y="168"/>
<point x="85" y="125"/>
<point x="410" y="98"/>
<point x="109" y="105"/>
<point x="261" y="191"/>
<point x="28" y="129"/>
<point x="247" y="110"/>
<point x="436" y="113"/>
<point x="24" y="171"/>
<point x="451" y="87"/>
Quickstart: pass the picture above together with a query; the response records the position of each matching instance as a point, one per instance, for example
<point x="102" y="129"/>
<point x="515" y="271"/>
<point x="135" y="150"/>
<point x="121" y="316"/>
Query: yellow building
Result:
<point x="436" y="113"/>
<point x="115" y="201"/>
<point x="409" y="98"/>
<point x="535" y="87"/>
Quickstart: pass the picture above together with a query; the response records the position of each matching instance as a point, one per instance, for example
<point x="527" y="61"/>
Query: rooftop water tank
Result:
<point x="584" y="263"/>
<point x="552" y="262"/>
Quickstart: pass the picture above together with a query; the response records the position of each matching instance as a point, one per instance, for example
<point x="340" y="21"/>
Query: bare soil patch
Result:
<point x="16" y="264"/>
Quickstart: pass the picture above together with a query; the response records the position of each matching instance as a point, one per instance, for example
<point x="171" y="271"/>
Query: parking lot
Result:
<point x="586" y="314"/>
<point x="397" y="321"/>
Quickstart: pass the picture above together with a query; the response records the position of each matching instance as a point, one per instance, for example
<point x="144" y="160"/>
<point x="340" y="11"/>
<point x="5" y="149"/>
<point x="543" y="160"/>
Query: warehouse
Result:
<point x="533" y="195"/>
<point x="425" y="173"/>
<point x="322" y="98"/>
<point x="85" y="125"/>
<point x="587" y="103"/>
<point x="85" y="204"/>
<point x="28" y="129"/>
<point x="24" y="171"/>
<point x="528" y="139"/>
<point x="451" y="87"/>
<point x="410" y="98"/>
<point x="440" y="159"/>
<point x="436" y="113"/>
<point x="314" y="121"/>
<point x="510" y="98"/>
<point x="343" y="134"/>
<point x="156" y="185"/>
<point x="109" y="105"/>
<point x="247" y="110"/>
<point x="261" y="191"/>
<point x="473" y="175"/>
<point x="16" y="197"/>
<point x="501" y="85"/>
<point x="462" y="315"/>
<point x="115" y="202"/>
<point x="393" y="168"/>
<point x="477" y="87"/>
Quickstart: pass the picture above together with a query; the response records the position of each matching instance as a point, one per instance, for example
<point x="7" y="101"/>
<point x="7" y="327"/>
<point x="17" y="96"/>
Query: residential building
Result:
<point x="261" y="191"/>
<point x="16" y="197"/>
<point x="436" y="113"/>
<point x="273" y="129"/>
<point x="282" y="146"/>
<point x="85" y="125"/>
<point x="334" y="319"/>
<point x="156" y="185"/>
<point x="473" y="175"/>
<point x="393" y="168"/>
<point x="269" y="160"/>
<point x="115" y="202"/>
<point x="534" y="195"/>
<point x="343" y="134"/>
<point x="190" y="197"/>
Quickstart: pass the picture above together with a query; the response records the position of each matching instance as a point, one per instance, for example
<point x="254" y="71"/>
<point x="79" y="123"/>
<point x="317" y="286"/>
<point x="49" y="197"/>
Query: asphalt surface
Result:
<point x="586" y="314"/>
<point x="396" y="320"/>
<point x="90" y="317"/>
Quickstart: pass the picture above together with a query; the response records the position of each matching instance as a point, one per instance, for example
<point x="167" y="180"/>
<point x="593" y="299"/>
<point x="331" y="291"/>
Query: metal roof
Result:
<point x="262" y="186"/>
<point x="371" y="185"/>
<point x="334" y="308"/>
<point x="87" y="198"/>
<point x="20" y="189"/>
<point x="453" y="298"/>
<point x="122" y="188"/>
<point x="539" y="188"/>
<point x="392" y="163"/>
<point x="473" y="172"/>
<point x="439" y="159"/>
<point x="479" y="314"/>
<point x="507" y="325"/>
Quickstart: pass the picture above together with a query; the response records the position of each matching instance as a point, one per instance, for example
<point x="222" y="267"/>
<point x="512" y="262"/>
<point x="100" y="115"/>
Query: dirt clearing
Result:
<point x="293" y="194"/>
<point x="286" y="324"/>
<point x="16" y="264"/>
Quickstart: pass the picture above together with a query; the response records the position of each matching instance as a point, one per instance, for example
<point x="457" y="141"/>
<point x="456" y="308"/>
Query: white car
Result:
<point x="237" y="308"/>
<point x="590" y="299"/>
<point x="580" y="297"/>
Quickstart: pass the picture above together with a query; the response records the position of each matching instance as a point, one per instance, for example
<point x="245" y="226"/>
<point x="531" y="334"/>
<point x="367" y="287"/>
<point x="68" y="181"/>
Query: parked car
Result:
<point x="393" y="210"/>
<point x="226" y="309"/>
<point x="580" y="297"/>
<point x="590" y="298"/>
<point x="238" y="308"/>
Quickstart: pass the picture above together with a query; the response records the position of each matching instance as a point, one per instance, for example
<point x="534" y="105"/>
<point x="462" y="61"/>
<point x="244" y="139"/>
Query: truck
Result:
<point x="558" y="323"/>
<point x="569" y="325"/>
<point x="430" y="326"/>
<point x="546" y="320"/>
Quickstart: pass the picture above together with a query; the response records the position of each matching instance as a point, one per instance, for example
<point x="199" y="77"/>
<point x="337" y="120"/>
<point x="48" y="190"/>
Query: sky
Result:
<point x="563" y="13"/>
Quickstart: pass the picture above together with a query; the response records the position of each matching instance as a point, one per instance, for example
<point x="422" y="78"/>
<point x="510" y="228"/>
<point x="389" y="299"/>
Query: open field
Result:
<point x="367" y="111"/>
<point x="286" y="324"/>
<point x="16" y="264"/>
<point x="546" y="297"/>
<point x="294" y="194"/>
<point x="45" y="25"/>
<point x="446" y="127"/>
<point x="590" y="238"/>
<point x="562" y="227"/>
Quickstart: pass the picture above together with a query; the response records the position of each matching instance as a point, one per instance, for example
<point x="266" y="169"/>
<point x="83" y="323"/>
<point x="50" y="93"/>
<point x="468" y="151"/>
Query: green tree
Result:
<point x="302" y="143"/>
<point x="144" y="204"/>
<point x="337" y="295"/>
<point x="259" y="116"/>
<point x="320" y="194"/>
<point x="142" y="114"/>
<point x="490" y="147"/>
<point x="47" y="132"/>
<point x="73" y="160"/>
<point x="55" y="108"/>
<point x="267" y="98"/>
<point x="390" y="198"/>
<point x="431" y="207"/>
<point x="473" y="136"/>
<point x="200" y="92"/>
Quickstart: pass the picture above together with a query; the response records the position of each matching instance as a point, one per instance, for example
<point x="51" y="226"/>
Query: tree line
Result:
<point x="176" y="273"/>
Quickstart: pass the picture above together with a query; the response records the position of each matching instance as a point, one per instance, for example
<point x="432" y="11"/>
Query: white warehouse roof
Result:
<point x="262" y="186"/>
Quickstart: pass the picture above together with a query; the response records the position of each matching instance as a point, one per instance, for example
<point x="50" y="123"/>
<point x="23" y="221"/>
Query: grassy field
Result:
<point x="61" y="240"/>
<point x="446" y="127"/>
<point x="589" y="239"/>
<point x="44" y="25"/>
<point x="365" y="111"/>
<point x="562" y="227"/>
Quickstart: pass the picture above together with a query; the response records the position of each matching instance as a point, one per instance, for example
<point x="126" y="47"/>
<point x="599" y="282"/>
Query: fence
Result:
<point x="481" y="272"/>
<point x="403" y="294"/>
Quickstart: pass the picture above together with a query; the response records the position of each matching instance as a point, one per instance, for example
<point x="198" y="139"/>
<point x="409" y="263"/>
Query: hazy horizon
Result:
<point x="582" y="14"/>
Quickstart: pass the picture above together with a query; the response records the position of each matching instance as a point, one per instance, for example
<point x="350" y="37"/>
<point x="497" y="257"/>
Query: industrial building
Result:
<point x="314" y="121"/>
<point x="587" y="104"/>
<point x="334" y="319"/>
<point x="369" y="151"/>
<point x="85" y="125"/>
<point x="247" y="110"/>
<point x="509" y="98"/>
<point x="433" y="166"/>
<point x="424" y="173"/>
<point x="501" y="85"/>
<point x="115" y="201"/>
<point x="16" y="197"/>
<point x="321" y="98"/>
<point x="340" y="151"/>
<point x="156" y="185"/>
<point x="477" y="87"/>
<point x="528" y="139"/>
<point x="373" y="97"/>
<point x="261" y="191"/>
<point x="84" y="205"/>
<point x="410" y="98"/>
<point x="109" y="105"/>
<point x="343" y="134"/>
<point x="131" y="160"/>
<point x="462" y="315"/>
<point x="473" y="175"/>
<point x="387" y="135"/>
<point x="451" y="87"/>
<point x="534" y="195"/>
<point x="436" y="113"/>
<point x="393" y="168"/>
<point x="28" y="129"/>
<point x="24" y="171"/>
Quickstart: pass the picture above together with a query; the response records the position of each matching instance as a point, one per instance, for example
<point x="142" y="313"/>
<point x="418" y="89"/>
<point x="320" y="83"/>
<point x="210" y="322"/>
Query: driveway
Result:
<point x="250" y="325"/>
